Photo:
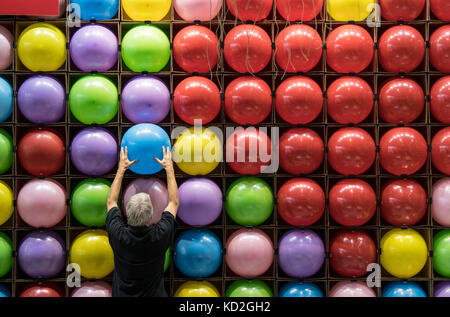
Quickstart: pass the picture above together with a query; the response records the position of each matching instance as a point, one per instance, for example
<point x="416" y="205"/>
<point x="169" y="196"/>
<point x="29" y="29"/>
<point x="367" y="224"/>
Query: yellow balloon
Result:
<point x="197" y="289"/>
<point x="92" y="252"/>
<point x="404" y="252"/>
<point x="146" y="10"/>
<point x="197" y="151"/>
<point x="350" y="10"/>
<point x="42" y="47"/>
<point x="6" y="202"/>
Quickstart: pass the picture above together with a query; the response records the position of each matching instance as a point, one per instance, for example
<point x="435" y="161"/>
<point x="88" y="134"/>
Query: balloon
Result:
<point x="401" y="48"/>
<point x="197" y="289"/>
<point x="299" y="10"/>
<point x="402" y="151"/>
<point x="41" y="203"/>
<point x="248" y="100"/>
<point x="6" y="99"/>
<point x="198" y="253"/>
<point x="94" y="48"/>
<point x="197" y="98"/>
<point x="6" y="151"/>
<point x="6" y="202"/>
<point x="94" y="151"/>
<point x="440" y="150"/>
<point x="248" y="288"/>
<point x="200" y="202"/>
<point x="4" y="291"/>
<point x="300" y="202"/>
<point x="440" y="100"/>
<point x="349" y="48"/>
<point x="197" y="10"/>
<point x="300" y="289"/>
<point x="6" y="48"/>
<point x="442" y="289"/>
<point x="96" y="10"/>
<point x="350" y="10"/>
<point x="351" y="151"/>
<point x="88" y="202"/>
<point x="440" y="49"/>
<point x="146" y="10"/>
<point x="146" y="48"/>
<point x="441" y="9"/>
<point x="93" y="289"/>
<point x="196" y="49"/>
<point x="249" y="201"/>
<point x="351" y="252"/>
<point x="441" y="253"/>
<point x="198" y="151"/>
<point x="440" y="207"/>
<point x="351" y="289"/>
<point x="250" y="10"/>
<point x="401" y="10"/>
<point x="47" y="289"/>
<point x="403" y="289"/>
<point x="249" y="252"/>
<point x="404" y="252"/>
<point x="92" y="252"/>
<point x="145" y="142"/>
<point x="42" y="47"/>
<point x="94" y="99"/>
<point x="301" y="253"/>
<point x="6" y="254"/>
<point x="41" y="152"/>
<point x="298" y="100"/>
<point x="167" y="259"/>
<point x="352" y="202"/>
<point x="247" y="48"/>
<point x="298" y="48"/>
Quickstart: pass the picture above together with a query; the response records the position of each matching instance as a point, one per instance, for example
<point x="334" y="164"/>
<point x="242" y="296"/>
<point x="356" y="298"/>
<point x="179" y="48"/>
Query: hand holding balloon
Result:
<point x="172" y="186"/>
<point x="124" y="162"/>
<point x="166" y="162"/>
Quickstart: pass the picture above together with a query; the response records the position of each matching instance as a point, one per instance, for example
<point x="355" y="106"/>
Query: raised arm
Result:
<point x="172" y="187"/>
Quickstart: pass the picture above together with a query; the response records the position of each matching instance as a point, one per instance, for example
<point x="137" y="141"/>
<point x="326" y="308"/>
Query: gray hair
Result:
<point x="139" y="210"/>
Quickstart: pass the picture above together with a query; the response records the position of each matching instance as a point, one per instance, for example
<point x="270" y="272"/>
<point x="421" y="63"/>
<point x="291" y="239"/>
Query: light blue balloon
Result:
<point x="6" y="100"/>
<point x="403" y="289"/>
<point x="300" y="289"/>
<point x="4" y="291"/>
<point x="97" y="9"/>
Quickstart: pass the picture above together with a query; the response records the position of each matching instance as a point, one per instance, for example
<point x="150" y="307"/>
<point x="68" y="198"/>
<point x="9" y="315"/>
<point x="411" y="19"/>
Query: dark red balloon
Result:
<point x="301" y="151"/>
<point x="441" y="9"/>
<point x="403" y="202"/>
<point x="440" y="49"/>
<point x="247" y="48"/>
<point x="197" y="98"/>
<point x="353" y="202"/>
<point x="349" y="49"/>
<point x="248" y="100"/>
<point x="401" y="10"/>
<point x="351" y="252"/>
<point x="42" y="290"/>
<point x="351" y="151"/>
<point x="300" y="202"/>
<point x="299" y="10"/>
<point x="41" y="152"/>
<point x="440" y="150"/>
<point x="298" y="100"/>
<point x="298" y="48"/>
<point x="403" y="151"/>
<point x="401" y="100"/>
<point x="440" y="100"/>
<point x="250" y="10"/>
<point x="349" y="100"/>
<point x="401" y="48"/>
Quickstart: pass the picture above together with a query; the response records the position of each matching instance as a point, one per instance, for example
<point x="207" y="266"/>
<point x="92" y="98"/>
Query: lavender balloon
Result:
<point x="93" y="289"/>
<point x="440" y="207"/>
<point x="442" y="289"/>
<point x="301" y="253"/>
<point x="145" y="99"/>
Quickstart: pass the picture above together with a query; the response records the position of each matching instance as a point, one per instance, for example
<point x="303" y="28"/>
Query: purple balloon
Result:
<point x="301" y="253"/>
<point x="145" y="99"/>
<point x="42" y="254"/>
<point x="42" y="99"/>
<point x="200" y="202"/>
<point x="94" y="151"/>
<point x="94" y="48"/>
<point x="442" y="289"/>
<point x="93" y="289"/>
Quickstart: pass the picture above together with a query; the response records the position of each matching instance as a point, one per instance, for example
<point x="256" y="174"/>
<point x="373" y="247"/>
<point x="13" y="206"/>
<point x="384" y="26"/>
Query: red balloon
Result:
<point x="248" y="100"/>
<point x="41" y="152"/>
<point x="403" y="151"/>
<point x="353" y="202"/>
<point x="441" y="9"/>
<point x="298" y="100"/>
<point x="250" y="10"/>
<point x="300" y="202"/>
<point x="247" y="48"/>
<point x="351" y="151"/>
<point x="47" y="289"/>
<point x="349" y="100"/>
<point x="440" y="150"/>
<point x="403" y="202"/>
<point x="401" y="48"/>
<point x="349" y="49"/>
<point x="401" y="10"/>
<point x="351" y="252"/>
<point x="197" y="98"/>
<point x="401" y="100"/>
<point x="440" y="100"/>
<point x="298" y="48"/>
<point x="440" y="49"/>
<point x="195" y="49"/>
<point x="248" y="151"/>
<point x="301" y="151"/>
<point x="299" y="10"/>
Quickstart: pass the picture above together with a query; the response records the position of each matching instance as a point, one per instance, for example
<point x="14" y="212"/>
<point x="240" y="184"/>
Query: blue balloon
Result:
<point x="198" y="253"/>
<point x="6" y="100"/>
<point x="4" y="291"/>
<point x="145" y="142"/>
<point x="300" y="289"/>
<point x="97" y="9"/>
<point x="403" y="289"/>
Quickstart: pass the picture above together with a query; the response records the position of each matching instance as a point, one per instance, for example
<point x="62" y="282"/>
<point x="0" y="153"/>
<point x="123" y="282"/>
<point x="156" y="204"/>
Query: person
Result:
<point x="139" y="248"/>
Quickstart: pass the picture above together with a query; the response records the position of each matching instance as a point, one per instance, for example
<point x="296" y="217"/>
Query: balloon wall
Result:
<point x="361" y="114"/>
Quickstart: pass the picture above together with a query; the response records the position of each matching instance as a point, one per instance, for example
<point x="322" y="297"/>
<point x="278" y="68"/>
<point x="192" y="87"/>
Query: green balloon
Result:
<point x="94" y="99"/>
<point x="441" y="253"/>
<point x="167" y="260"/>
<point x="6" y="153"/>
<point x="145" y="48"/>
<point x="88" y="203"/>
<point x="6" y="256"/>
<point x="248" y="288"/>
<point x="249" y="201"/>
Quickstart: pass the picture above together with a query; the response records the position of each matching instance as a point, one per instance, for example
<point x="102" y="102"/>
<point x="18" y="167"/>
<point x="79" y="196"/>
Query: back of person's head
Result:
<point x="139" y="210"/>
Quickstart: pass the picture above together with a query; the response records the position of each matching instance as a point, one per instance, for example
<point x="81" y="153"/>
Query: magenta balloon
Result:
<point x="41" y="203"/>
<point x="249" y="252"/>
<point x="6" y="48"/>
<point x="157" y="191"/>
<point x="351" y="289"/>
<point x="93" y="289"/>
<point x="440" y="203"/>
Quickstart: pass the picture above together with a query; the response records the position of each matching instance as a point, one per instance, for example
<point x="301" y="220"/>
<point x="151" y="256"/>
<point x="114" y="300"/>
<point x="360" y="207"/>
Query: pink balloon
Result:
<point x="93" y="289"/>
<point x="351" y="289"/>
<point x="41" y="203"/>
<point x="6" y="48"/>
<point x="201" y="10"/>
<point x="440" y="204"/>
<point x="249" y="252"/>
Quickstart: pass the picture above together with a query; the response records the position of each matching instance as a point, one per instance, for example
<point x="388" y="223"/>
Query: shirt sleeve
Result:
<point x="165" y="228"/>
<point x="114" y="222"/>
